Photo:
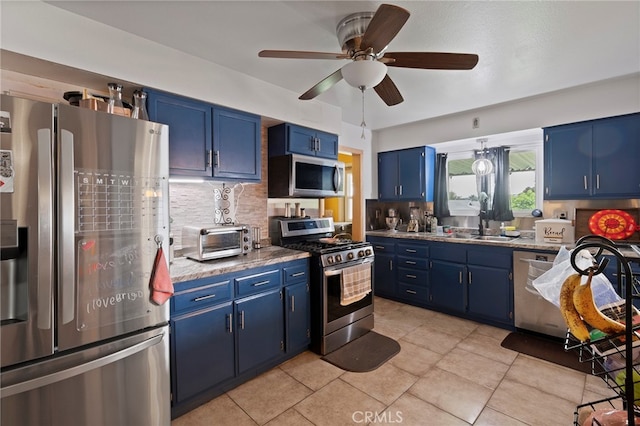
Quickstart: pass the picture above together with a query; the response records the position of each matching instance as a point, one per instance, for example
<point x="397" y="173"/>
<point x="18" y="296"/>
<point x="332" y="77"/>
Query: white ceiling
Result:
<point x="526" y="48"/>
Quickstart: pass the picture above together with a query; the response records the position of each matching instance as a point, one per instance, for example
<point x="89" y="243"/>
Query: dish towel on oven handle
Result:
<point x="161" y="285"/>
<point x="355" y="283"/>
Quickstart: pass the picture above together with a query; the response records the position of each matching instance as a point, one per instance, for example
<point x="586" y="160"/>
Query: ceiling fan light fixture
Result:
<point x="364" y="73"/>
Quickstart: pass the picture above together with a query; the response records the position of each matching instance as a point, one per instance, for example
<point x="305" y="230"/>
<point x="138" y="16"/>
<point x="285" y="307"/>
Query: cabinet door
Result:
<point x="203" y="350"/>
<point x="384" y="275"/>
<point x="302" y="140"/>
<point x="260" y="329"/>
<point x="388" y="176"/>
<point x="327" y="145"/>
<point x="616" y="151"/>
<point x="189" y="132"/>
<point x="567" y="161"/>
<point x="490" y="293"/>
<point x="447" y="284"/>
<point x="411" y="174"/>
<point x="297" y="305"/>
<point x="236" y="145"/>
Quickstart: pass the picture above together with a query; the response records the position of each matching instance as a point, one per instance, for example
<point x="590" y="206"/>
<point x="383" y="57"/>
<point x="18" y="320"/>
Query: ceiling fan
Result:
<point x="364" y="37"/>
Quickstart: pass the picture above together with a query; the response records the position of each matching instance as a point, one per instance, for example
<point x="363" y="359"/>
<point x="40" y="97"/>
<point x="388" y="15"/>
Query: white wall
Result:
<point x="46" y="32"/>
<point x="603" y="99"/>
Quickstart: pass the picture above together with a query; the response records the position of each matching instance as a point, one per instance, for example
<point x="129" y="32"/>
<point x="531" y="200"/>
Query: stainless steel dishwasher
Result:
<point x="531" y="311"/>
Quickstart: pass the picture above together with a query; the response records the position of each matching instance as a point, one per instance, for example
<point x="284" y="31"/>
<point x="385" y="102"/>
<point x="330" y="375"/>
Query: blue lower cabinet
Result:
<point x="202" y="350"/>
<point x="260" y="327"/>
<point x="489" y="293"/>
<point x="448" y="286"/>
<point x="229" y="328"/>
<point x="298" y="327"/>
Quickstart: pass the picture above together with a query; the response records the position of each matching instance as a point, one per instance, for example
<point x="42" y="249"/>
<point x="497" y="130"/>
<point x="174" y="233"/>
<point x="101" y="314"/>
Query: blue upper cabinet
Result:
<point x="206" y="140"/>
<point x="406" y="174"/>
<point x="288" y="138"/>
<point x="236" y="145"/>
<point x="593" y="159"/>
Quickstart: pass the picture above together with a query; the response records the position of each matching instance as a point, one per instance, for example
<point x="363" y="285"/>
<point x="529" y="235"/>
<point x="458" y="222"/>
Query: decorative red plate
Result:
<point x="613" y="224"/>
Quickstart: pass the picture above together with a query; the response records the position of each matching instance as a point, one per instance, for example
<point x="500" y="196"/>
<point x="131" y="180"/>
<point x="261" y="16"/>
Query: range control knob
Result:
<point x="350" y="256"/>
<point x="338" y="258"/>
<point x="330" y="260"/>
<point x="368" y="252"/>
<point x="361" y="253"/>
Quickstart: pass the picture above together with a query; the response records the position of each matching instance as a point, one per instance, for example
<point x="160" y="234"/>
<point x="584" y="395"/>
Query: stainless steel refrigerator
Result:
<point x="84" y="208"/>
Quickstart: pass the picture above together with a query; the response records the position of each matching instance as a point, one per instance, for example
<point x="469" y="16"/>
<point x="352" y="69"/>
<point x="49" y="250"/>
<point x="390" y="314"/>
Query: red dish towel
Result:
<point x="161" y="285"/>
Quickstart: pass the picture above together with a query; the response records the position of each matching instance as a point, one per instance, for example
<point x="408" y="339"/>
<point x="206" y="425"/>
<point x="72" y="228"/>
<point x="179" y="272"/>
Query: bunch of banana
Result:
<point x="586" y="307"/>
<point x="569" y="312"/>
<point x="577" y="307"/>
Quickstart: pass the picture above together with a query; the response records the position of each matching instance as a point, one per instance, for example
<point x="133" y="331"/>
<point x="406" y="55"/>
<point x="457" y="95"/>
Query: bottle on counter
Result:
<point x="434" y="224"/>
<point x="115" y="105"/>
<point x="427" y="222"/>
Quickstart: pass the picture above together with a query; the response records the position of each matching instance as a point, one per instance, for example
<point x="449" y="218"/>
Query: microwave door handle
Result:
<point x="67" y="227"/>
<point x="45" y="220"/>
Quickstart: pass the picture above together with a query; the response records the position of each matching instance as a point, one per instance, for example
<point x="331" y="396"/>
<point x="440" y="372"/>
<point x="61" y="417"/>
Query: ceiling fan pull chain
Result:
<point x="363" y="124"/>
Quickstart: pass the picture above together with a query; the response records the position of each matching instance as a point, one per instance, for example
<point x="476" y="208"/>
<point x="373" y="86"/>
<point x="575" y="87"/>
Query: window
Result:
<point x="525" y="177"/>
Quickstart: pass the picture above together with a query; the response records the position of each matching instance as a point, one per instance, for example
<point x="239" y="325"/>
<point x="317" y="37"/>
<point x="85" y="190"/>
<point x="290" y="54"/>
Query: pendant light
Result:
<point x="482" y="166"/>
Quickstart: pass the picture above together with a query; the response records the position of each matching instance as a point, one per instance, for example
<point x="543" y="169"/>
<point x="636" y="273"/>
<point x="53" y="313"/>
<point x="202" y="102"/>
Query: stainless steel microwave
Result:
<point x="301" y="176"/>
<point x="214" y="242"/>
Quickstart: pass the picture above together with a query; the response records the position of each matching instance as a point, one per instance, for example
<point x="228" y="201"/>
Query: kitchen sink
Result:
<point x="491" y="238"/>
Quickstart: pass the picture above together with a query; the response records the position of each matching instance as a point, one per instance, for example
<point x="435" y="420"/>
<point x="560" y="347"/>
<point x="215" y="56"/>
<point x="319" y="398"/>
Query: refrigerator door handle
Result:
<point x="45" y="228"/>
<point x="58" y="376"/>
<point x="66" y="225"/>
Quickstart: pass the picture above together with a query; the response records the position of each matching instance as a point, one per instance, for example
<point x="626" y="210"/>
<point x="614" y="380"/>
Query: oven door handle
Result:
<point x="337" y="270"/>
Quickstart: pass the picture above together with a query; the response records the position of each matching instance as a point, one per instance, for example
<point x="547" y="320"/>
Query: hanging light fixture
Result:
<point x="482" y="166"/>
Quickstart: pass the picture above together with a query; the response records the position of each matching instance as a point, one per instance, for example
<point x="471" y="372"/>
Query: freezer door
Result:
<point x="26" y="226"/>
<point x="124" y="382"/>
<point x="113" y="203"/>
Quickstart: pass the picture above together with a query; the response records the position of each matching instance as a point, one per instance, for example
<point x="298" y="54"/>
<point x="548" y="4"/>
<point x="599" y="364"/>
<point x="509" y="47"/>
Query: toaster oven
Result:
<point x="215" y="242"/>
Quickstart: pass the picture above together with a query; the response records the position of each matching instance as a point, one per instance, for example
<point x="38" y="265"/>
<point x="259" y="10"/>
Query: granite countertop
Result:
<point x="184" y="269"/>
<point x="516" y="243"/>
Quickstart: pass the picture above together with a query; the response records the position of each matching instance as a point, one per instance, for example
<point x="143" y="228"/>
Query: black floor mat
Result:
<point x="546" y="348"/>
<point x="364" y="354"/>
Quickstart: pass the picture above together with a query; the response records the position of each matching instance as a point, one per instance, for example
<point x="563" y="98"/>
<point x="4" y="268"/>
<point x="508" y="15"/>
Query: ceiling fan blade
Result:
<point x="322" y="86"/>
<point x="384" y="26"/>
<point x="431" y="60"/>
<point x="297" y="54"/>
<point x="388" y="91"/>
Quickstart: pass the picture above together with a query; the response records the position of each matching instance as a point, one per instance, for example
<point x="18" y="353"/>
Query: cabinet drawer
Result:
<point x="497" y="257"/>
<point x="449" y="252"/>
<point x="413" y="293"/>
<point x="205" y="295"/>
<point x="383" y="246"/>
<point x="296" y="273"/>
<point x="413" y="262"/>
<point x="413" y="276"/>
<point x="258" y="282"/>
<point x="413" y="250"/>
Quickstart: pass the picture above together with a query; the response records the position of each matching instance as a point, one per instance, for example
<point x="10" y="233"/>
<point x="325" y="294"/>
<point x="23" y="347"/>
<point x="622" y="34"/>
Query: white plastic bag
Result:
<point x="550" y="283"/>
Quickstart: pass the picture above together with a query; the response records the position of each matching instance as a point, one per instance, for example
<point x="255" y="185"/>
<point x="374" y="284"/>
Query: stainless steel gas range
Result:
<point x="335" y="318"/>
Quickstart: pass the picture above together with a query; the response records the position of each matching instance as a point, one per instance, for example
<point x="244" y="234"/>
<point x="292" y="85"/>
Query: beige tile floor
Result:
<point x="449" y="371"/>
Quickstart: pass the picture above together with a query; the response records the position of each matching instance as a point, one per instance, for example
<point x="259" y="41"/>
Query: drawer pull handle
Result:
<point x="409" y="262"/>
<point x="411" y="276"/>
<point x="258" y="284"/>
<point x="411" y="251"/>
<point x="411" y="291"/>
<point x="298" y="274"/>
<point x="201" y="298"/>
<point x="378" y="247"/>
